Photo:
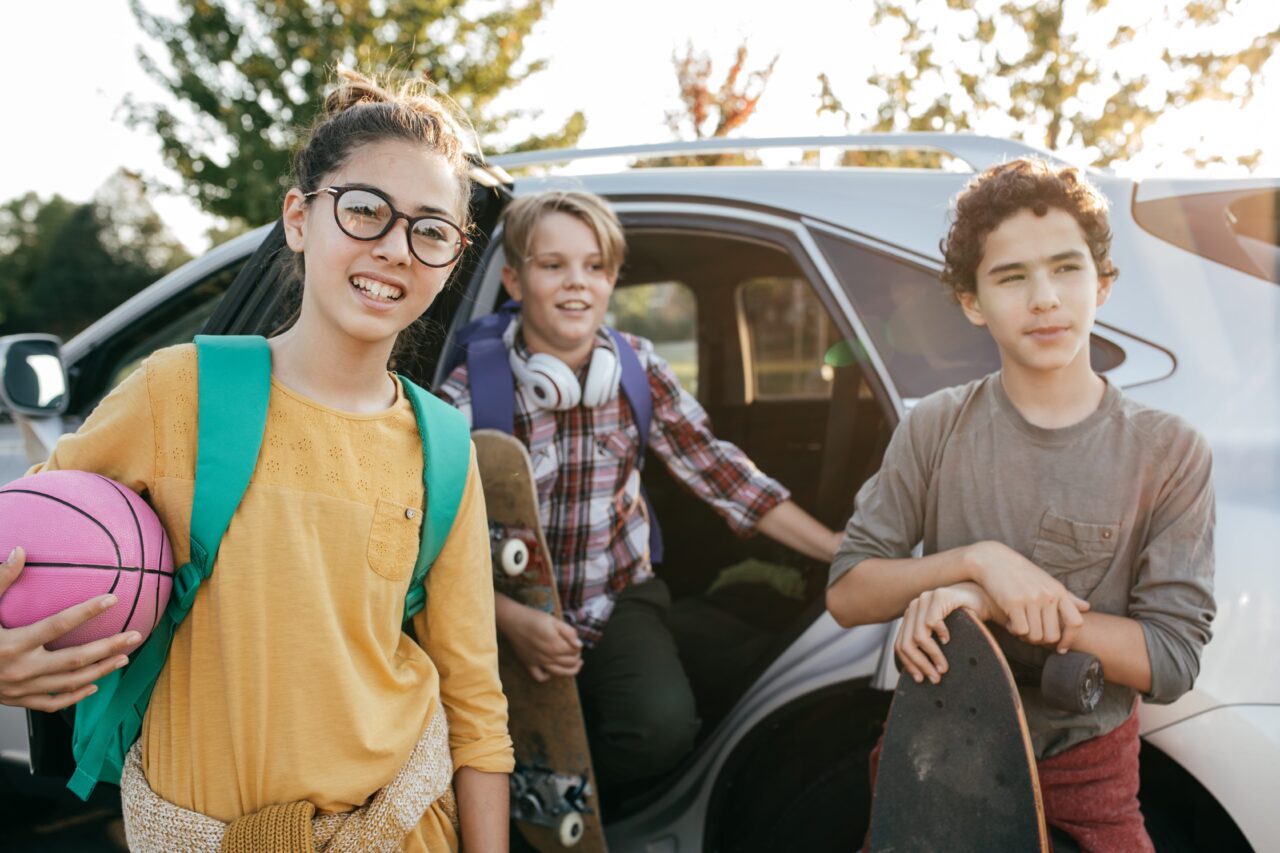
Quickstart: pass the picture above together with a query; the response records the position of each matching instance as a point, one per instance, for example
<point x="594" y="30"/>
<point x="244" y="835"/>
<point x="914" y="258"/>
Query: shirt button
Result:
<point x="410" y="513"/>
<point x="1106" y="534"/>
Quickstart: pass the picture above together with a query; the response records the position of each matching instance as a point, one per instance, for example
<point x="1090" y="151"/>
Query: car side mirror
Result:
<point x="33" y="380"/>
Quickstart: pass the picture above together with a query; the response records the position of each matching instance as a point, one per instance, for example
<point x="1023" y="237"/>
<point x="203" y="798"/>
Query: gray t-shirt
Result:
<point x="1118" y="507"/>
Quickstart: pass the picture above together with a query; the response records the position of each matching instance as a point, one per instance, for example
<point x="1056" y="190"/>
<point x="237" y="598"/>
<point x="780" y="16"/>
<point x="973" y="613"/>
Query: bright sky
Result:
<point x="70" y="64"/>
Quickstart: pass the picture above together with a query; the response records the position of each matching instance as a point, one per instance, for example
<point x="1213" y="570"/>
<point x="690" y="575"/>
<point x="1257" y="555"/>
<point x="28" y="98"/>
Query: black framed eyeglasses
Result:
<point x="366" y="214"/>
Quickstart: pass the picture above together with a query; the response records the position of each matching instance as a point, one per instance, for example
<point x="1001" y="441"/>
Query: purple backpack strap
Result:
<point x="488" y="326"/>
<point x="479" y="344"/>
<point x="639" y="396"/>
<point x="635" y="387"/>
<point x="493" y="388"/>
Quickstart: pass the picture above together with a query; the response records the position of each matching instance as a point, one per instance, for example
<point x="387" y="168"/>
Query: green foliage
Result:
<point x="226" y="229"/>
<point x="64" y="265"/>
<point x="660" y="311"/>
<point x="566" y="137"/>
<point x="131" y="231"/>
<point x="1059" y="72"/>
<point x="26" y="227"/>
<point x="249" y="78"/>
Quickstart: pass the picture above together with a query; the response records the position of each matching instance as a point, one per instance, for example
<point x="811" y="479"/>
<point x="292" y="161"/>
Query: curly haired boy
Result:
<point x="1052" y="505"/>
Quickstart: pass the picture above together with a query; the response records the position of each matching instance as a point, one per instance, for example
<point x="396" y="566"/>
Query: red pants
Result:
<point x="1090" y="791"/>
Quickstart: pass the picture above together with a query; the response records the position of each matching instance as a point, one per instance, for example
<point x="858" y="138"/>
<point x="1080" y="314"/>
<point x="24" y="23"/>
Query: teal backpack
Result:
<point x="235" y="384"/>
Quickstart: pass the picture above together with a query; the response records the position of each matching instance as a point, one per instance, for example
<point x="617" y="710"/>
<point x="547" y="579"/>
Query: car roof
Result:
<point x="904" y="207"/>
<point x="907" y="207"/>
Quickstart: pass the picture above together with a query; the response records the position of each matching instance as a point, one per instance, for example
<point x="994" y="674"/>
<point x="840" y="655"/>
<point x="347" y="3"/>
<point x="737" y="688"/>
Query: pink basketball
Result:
<point x="84" y="535"/>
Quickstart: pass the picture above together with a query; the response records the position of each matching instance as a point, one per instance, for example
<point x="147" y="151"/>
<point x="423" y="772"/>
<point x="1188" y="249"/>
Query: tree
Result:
<point x="131" y="231"/>
<point x="707" y="111"/>
<point x="247" y="76"/>
<point x="1059" y="73"/>
<point x="64" y="264"/>
<point x="27" y="228"/>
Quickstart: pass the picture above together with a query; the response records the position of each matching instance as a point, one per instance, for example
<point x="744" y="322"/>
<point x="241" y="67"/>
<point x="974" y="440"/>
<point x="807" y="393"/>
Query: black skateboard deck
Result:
<point x="957" y="771"/>
<point x="553" y="790"/>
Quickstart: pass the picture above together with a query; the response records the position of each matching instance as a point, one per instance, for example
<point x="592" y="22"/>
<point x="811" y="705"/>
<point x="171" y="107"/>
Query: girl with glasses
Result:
<point x="290" y="695"/>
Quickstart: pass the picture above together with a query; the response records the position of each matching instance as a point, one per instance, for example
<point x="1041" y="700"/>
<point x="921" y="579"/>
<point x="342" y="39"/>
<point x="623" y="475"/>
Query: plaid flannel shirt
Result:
<point x="586" y="464"/>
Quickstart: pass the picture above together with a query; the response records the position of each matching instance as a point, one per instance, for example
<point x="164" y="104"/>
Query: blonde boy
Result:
<point x="563" y="253"/>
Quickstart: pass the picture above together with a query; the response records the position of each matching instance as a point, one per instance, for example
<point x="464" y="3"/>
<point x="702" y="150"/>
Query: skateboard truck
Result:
<point x="1070" y="682"/>
<point x="550" y="799"/>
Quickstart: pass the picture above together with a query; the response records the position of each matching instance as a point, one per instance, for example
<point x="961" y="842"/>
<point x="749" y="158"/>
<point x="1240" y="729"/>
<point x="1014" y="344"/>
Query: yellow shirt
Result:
<point x="290" y="679"/>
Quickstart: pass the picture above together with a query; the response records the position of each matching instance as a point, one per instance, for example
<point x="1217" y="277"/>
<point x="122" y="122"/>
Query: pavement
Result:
<point x="13" y="462"/>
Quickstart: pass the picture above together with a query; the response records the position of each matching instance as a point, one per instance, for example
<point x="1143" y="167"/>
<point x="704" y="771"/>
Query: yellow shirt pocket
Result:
<point x="393" y="539"/>
<point x="1077" y="553"/>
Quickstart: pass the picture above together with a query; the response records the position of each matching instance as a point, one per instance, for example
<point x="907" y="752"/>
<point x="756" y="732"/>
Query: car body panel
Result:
<point x="236" y="249"/>
<point x="1235" y="752"/>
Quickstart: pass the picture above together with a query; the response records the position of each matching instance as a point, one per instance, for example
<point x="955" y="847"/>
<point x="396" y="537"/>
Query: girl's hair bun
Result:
<point x="363" y="110"/>
<point x="354" y="88"/>
<point x="414" y="95"/>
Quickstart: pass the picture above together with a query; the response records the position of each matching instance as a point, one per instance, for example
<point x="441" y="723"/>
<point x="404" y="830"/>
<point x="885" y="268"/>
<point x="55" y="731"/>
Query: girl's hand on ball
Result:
<point x="33" y="677"/>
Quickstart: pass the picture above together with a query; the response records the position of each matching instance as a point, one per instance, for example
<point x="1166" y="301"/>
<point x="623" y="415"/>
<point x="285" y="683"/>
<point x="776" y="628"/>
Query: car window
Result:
<point x="787" y="334"/>
<point x="922" y="336"/>
<point x="175" y="322"/>
<point x="917" y="328"/>
<point x="1239" y="228"/>
<point x="666" y="313"/>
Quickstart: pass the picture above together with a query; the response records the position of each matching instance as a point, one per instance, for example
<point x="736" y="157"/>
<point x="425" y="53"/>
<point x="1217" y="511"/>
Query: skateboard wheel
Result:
<point x="513" y="557"/>
<point x="1072" y="682"/>
<point x="570" y="829"/>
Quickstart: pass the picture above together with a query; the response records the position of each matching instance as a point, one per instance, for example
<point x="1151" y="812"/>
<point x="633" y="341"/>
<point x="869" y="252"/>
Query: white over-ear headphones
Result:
<point x="552" y="384"/>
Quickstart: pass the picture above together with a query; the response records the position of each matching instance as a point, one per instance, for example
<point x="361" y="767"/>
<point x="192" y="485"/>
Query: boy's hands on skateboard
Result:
<point x="1035" y="607"/>
<point x="33" y="677"/>
<point x="546" y="645"/>
<point x="1007" y="588"/>
<point x="916" y="646"/>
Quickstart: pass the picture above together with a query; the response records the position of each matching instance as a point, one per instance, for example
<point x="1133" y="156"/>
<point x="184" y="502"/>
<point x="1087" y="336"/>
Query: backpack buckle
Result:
<point x="186" y="583"/>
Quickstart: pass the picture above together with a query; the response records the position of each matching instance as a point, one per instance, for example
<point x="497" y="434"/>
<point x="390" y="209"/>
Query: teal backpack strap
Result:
<point x="235" y="380"/>
<point x="235" y="385"/>
<point x="446" y="456"/>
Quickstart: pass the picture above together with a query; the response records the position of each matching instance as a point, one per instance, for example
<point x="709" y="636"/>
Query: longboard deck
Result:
<point x="546" y="720"/>
<point x="957" y="771"/>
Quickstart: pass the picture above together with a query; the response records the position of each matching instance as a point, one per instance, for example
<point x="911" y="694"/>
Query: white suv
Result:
<point x="802" y="306"/>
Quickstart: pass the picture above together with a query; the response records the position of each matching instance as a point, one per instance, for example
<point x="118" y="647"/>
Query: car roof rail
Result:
<point x="488" y="174"/>
<point x="978" y="152"/>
